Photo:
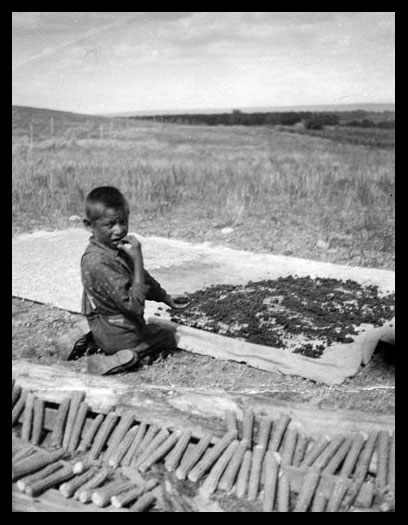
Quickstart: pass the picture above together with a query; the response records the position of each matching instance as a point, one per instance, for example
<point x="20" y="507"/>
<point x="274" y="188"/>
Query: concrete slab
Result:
<point x="45" y="268"/>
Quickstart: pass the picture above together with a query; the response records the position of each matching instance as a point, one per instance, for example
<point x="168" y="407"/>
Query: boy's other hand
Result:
<point x="131" y="245"/>
<point x="177" y="302"/>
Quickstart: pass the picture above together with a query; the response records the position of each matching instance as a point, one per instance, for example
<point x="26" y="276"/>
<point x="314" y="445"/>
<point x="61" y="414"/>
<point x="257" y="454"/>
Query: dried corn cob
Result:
<point x="15" y="394"/>
<point x="102" y="496"/>
<point x="338" y="457"/>
<point x="288" y="446"/>
<point x="18" y="408"/>
<point x="38" y="420"/>
<point x="76" y="399"/>
<point x="144" y="502"/>
<point x="229" y="476"/>
<point x="315" y="451"/>
<point x="84" y="493"/>
<point x="231" y="420"/>
<point x="56" y="478"/>
<point x="278" y="431"/>
<point x="40" y="474"/>
<point x="34" y="463"/>
<point x="319" y="502"/>
<point x="210" y="484"/>
<point x="190" y="460"/>
<point x="123" y="499"/>
<point x="130" y="454"/>
<point x="27" y="417"/>
<point x="87" y="440"/>
<point x="243" y="474"/>
<point x="126" y="421"/>
<point x="256" y="470"/>
<point x="306" y="494"/>
<point x="271" y="479"/>
<point x="147" y="439"/>
<point x="337" y="495"/>
<point x="248" y="426"/>
<point x="206" y="462"/>
<point x="283" y="492"/>
<point x="59" y="424"/>
<point x="161" y="451"/>
<point x="173" y="459"/>
<point x="102" y="435"/>
<point x="361" y="469"/>
<point x="117" y="455"/>
<point x="324" y="458"/>
<point x="162" y="435"/>
<point x="353" y="454"/>
<point x="69" y="488"/>
<point x="382" y="462"/>
<point x="78" y="426"/>
<point x="265" y="426"/>
<point x="301" y="446"/>
<point x="391" y="465"/>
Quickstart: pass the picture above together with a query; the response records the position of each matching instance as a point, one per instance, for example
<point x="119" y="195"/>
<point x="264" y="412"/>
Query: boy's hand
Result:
<point x="177" y="302"/>
<point x="131" y="245"/>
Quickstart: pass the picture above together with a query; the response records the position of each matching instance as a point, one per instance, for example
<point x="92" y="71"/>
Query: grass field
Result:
<point x="278" y="191"/>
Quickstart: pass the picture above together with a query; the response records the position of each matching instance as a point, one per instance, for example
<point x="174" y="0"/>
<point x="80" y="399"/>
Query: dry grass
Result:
<point x="338" y="194"/>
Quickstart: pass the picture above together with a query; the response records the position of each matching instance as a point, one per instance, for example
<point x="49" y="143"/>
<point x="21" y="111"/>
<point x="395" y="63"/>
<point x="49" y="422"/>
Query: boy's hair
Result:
<point x="108" y="197"/>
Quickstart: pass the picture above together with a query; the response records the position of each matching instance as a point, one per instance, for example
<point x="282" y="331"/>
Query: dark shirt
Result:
<point x="107" y="276"/>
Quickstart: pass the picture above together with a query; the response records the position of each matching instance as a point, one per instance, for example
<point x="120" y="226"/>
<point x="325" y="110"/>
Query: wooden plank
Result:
<point x="336" y="364"/>
<point x="200" y="411"/>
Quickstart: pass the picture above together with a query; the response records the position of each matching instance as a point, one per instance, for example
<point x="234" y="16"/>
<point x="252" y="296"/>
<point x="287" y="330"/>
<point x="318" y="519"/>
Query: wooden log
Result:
<point x="353" y="454"/>
<point x="117" y="455"/>
<point x="151" y="433"/>
<point x="288" y="446"/>
<point x="173" y="459"/>
<point x="315" y="451"/>
<point x="125" y="498"/>
<point x="76" y="400"/>
<point x="34" y="463"/>
<point x="84" y="493"/>
<point x="207" y="461"/>
<point x="248" y="426"/>
<point x="131" y="453"/>
<point x="88" y="438"/>
<point x="328" y="453"/>
<point x="28" y="417"/>
<point x="337" y="496"/>
<point x="59" y="426"/>
<point x="391" y="465"/>
<point x="231" y="420"/>
<point x="18" y="407"/>
<point x="160" y="437"/>
<point x="382" y="461"/>
<point x="338" y="457"/>
<point x="271" y="481"/>
<point x="15" y="394"/>
<point x="102" y="496"/>
<point x="308" y="489"/>
<point x="161" y="451"/>
<point x="52" y="480"/>
<point x="69" y="488"/>
<point x="211" y="482"/>
<point x="301" y="446"/>
<point x="190" y="460"/>
<point x="22" y="483"/>
<point x="125" y="423"/>
<point x="145" y="501"/>
<point x="243" y="474"/>
<point x="231" y="472"/>
<point x="278" y="431"/>
<point x="319" y="502"/>
<point x="265" y="425"/>
<point x="38" y="420"/>
<point x="24" y="452"/>
<point x="283" y="492"/>
<point x="103" y="435"/>
<point x="78" y="426"/>
<point x="256" y="470"/>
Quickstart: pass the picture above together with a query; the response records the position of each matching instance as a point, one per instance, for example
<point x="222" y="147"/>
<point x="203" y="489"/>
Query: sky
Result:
<point x="109" y="62"/>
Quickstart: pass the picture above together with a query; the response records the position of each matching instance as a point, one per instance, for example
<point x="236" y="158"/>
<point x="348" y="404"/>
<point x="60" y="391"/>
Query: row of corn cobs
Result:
<point x="265" y="460"/>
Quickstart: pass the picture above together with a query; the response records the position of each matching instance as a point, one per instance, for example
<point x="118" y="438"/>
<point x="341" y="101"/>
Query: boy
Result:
<point x="116" y="286"/>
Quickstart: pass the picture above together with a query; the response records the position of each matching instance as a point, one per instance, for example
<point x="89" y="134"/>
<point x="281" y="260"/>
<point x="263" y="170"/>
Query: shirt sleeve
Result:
<point x="154" y="291"/>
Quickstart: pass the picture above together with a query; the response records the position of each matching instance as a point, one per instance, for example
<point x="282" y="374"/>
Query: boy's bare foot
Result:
<point x="100" y="364"/>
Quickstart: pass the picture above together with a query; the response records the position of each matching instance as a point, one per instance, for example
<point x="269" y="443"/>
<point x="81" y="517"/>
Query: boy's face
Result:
<point x="110" y="227"/>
